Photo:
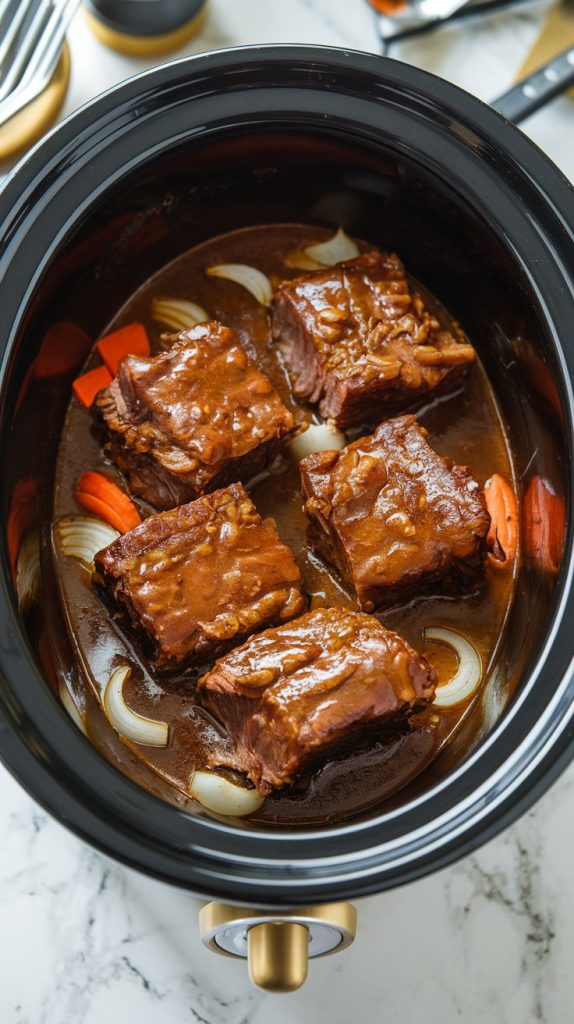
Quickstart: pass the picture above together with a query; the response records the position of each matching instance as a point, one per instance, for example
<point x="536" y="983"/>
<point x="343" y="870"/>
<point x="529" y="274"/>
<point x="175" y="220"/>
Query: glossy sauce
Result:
<point x="465" y="426"/>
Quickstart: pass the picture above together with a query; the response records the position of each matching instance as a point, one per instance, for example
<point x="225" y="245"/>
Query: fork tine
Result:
<point x="12" y="17"/>
<point x="48" y="51"/>
<point x="26" y="48"/>
<point x="4" y="7"/>
<point x="43" y="64"/>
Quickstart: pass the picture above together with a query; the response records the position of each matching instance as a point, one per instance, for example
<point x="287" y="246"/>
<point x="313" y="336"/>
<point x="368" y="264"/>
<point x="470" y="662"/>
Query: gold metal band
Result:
<point x="146" y="46"/>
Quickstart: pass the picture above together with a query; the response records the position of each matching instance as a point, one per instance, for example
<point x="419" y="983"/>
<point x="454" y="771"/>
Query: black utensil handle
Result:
<point x="539" y="88"/>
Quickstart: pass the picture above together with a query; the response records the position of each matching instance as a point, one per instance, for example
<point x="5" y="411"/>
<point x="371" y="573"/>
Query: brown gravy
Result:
<point x="467" y="426"/>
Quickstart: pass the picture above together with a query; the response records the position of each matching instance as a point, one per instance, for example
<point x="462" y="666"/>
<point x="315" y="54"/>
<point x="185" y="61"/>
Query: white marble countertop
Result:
<point x="85" y="941"/>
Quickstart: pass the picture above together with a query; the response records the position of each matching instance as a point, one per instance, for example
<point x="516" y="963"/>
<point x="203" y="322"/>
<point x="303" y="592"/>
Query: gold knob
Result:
<point x="277" y="943"/>
<point x="277" y="953"/>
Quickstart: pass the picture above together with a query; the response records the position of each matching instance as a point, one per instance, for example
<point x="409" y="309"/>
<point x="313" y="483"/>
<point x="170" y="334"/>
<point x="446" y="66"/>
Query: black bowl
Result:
<point x="480" y="215"/>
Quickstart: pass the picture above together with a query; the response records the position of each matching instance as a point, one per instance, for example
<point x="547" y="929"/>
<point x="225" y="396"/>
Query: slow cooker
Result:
<point x="291" y="133"/>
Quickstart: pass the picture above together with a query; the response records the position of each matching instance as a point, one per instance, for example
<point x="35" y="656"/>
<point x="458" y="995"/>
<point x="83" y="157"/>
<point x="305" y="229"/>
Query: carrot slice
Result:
<point x="101" y="496"/>
<point x="388" y="6"/>
<point x="21" y="517"/>
<point x="128" y="341"/>
<point x="502" y="536"/>
<point x="64" y="347"/>
<point x="89" y="384"/>
<point x="543" y="524"/>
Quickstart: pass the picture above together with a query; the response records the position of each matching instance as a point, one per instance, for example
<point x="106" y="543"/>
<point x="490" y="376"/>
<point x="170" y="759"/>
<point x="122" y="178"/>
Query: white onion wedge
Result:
<point x="318" y="437"/>
<point x="222" y="796"/>
<point x="468" y="674"/>
<point x="335" y="250"/>
<point x="81" y="537"/>
<point x="28" y="571"/>
<point x="300" y="260"/>
<point x="148" y="731"/>
<point x="255" y="281"/>
<point x="179" y="314"/>
<point x="70" y="706"/>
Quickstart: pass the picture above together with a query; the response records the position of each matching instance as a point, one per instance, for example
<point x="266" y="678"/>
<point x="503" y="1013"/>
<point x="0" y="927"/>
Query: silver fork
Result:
<point x="32" y="33"/>
<point x="12" y="17"/>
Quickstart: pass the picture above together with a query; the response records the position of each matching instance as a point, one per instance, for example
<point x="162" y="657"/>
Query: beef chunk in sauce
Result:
<point x="193" y="580"/>
<point x="392" y="515"/>
<point x="358" y="340"/>
<point x="292" y="694"/>
<point x="193" y="418"/>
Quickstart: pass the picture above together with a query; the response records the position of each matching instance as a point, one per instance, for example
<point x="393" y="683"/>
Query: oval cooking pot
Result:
<point x="477" y="212"/>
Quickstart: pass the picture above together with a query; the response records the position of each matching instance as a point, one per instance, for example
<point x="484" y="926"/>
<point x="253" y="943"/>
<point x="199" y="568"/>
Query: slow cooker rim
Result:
<point x="339" y="56"/>
<point x="307" y="51"/>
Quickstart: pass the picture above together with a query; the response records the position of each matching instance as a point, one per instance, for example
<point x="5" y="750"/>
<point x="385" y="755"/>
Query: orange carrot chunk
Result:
<point x="502" y="536"/>
<point x="128" y="341"/>
<point x="89" y="384"/>
<point x="64" y="347"/>
<point x="543" y="524"/>
<point x="388" y="6"/>
<point x="22" y="516"/>
<point x="101" y="496"/>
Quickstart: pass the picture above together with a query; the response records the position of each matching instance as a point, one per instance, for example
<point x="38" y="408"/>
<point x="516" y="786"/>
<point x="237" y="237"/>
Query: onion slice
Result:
<point x="179" y="314"/>
<point x="28" y="571"/>
<point x="220" y="795"/>
<point x="71" y="707"/>
<point x="81" y="537"/>
<point x="335" y="250"/>
<point x="128" y="723"/>
<point x="318" y="437"/>
<point x="468" y="674"/>
<point x="255" y="281"/>
<point x="298" y="259"/>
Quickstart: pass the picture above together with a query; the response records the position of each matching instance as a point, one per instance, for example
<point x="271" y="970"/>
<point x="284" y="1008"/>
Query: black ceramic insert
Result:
<point x="477" y="211"/>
